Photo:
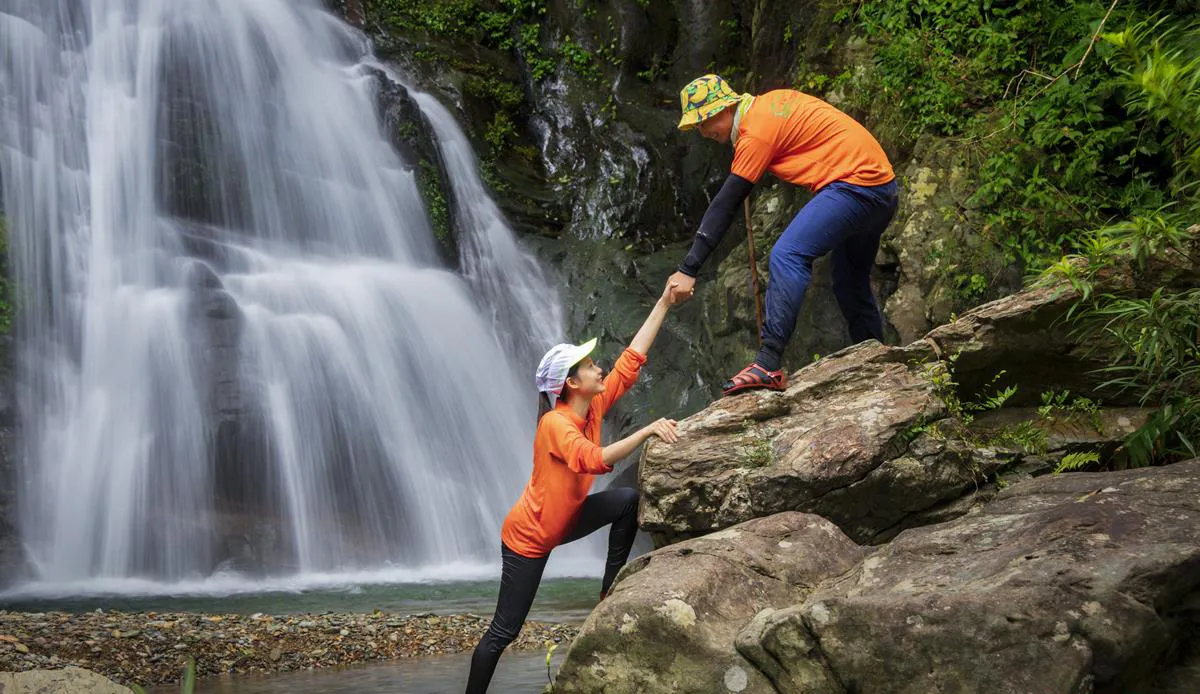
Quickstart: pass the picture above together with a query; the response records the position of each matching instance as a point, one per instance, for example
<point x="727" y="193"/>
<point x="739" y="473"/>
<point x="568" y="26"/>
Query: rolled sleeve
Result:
<point x="579" y="454"/>
<point x="622" y="377"/>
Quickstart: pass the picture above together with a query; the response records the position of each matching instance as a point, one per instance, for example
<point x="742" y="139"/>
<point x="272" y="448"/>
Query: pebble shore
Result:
<point x="150" y="648"/>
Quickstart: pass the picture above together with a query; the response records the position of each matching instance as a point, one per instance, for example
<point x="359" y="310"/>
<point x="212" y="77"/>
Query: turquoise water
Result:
<point x="558" y="600"/>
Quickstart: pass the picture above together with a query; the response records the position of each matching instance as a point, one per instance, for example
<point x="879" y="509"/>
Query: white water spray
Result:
<point x="237" y="340"/>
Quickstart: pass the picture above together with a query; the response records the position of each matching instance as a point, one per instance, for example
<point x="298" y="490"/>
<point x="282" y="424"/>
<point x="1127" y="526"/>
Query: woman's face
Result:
<point x="588" y="380"/>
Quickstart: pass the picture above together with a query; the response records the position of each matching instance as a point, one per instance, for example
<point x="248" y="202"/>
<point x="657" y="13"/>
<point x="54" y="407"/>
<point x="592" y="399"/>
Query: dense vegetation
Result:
<point x="1082" y="121"/>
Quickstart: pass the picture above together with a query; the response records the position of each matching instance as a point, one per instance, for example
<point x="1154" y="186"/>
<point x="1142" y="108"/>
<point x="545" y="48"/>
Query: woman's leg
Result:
<point x="519" y="581"/>
<point x="615" y="506"/>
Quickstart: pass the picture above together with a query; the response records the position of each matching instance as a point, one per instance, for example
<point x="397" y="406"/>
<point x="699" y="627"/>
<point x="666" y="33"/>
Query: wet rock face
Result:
<point x="12" y="554"/>
<point x="670" y="621"/>
<point x="413" y="137"/>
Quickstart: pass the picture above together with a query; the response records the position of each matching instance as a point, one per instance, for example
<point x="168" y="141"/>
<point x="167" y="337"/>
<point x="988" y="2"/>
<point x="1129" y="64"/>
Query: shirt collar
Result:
<point x="570" y="413"/>
<point x="742" y="107"/>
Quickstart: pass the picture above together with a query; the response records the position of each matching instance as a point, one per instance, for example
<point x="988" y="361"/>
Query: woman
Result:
<point x="555" y="507"/>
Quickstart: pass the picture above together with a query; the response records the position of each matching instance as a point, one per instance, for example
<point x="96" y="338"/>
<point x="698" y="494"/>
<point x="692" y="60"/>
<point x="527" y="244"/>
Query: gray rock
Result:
<point x="936" y="244"/>
<point x="670" y="621"/>
<point x="1068" y="583"/>
<point x="1025" y="336"/>
<point x="763" y="453"/>
<point x="870" y="437"/>
<point x="70" y="680"/>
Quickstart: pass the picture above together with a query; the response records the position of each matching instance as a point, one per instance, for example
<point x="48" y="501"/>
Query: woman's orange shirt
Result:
<point x="806" y="141"/>
<point x="566" y="455"/>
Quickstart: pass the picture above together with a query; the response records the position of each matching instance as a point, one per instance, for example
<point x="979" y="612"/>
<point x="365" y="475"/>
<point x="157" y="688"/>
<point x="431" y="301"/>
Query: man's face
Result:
<point x="718" y="127"/>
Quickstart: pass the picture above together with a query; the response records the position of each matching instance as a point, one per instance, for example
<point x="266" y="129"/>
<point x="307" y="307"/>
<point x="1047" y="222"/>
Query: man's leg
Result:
<point x="853" y="260"/>
<point x="615" y="506"/>
<point x="827" y="220"/>
<point x="519" y="581"/>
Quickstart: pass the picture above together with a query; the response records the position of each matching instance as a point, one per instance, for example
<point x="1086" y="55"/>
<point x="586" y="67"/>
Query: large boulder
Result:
<point x="764" y="453"/>
<point x="1071" y="583"/>
<point x="69" y="680"/>
<point x="878" y="438"/>
<point x="670" y="622"/>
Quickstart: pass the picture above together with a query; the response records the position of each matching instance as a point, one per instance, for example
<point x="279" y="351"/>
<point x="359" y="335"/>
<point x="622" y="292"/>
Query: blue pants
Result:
<point x="847" y="221"/>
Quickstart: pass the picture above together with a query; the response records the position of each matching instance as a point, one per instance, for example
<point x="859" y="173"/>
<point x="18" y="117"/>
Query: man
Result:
<point x="807" y="142"/>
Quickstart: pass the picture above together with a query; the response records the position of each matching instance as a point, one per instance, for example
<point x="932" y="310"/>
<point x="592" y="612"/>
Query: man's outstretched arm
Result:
<point x="713" y="226"/>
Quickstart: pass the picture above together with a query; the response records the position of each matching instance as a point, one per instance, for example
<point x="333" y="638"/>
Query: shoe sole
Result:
<point x="754" y="386"/>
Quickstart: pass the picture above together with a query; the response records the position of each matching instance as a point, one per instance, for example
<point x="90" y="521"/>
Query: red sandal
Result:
<point x="755" y="376"/>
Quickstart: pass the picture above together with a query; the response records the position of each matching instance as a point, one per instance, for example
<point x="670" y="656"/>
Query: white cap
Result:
<point x="552" y="372"/>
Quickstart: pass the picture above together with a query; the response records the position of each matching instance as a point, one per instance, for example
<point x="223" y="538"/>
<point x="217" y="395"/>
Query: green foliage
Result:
<point x="941" y="61"/>
<point x="580" y="59"/>
<point x="189" y="676"/>
<point x="961" y="412"/>
<point x="1060" y="403"/>
<point x="500" y="130"/>
<point x="550" y="648"/>
<point x="430" y="186"/>
<point x="941" y="375"/>
<point x="1076" y="461"/>
<point x="1150" y="341"/>
<point x="441" y="17"/>
<point x="507" y="25"/>
<point x="1038" y="96"/>
<point x="1076" y="115"/>
<point x="756" y="452"/>
<point x="1026" y="436"/>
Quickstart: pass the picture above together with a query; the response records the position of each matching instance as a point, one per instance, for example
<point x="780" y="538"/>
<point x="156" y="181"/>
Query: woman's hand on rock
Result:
<point x="664" y="429"/>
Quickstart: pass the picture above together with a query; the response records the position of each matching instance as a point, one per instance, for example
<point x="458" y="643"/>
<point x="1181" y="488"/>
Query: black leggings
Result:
<point x="521" y="575"/>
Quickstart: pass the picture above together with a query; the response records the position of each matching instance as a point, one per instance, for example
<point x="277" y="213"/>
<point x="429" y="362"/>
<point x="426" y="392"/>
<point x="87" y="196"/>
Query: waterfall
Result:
<point x="238" y="346"/>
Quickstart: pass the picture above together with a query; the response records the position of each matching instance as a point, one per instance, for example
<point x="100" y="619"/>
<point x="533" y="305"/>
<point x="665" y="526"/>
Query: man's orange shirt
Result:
<point x="803" y="140"/>
<point x="566" y="455"/>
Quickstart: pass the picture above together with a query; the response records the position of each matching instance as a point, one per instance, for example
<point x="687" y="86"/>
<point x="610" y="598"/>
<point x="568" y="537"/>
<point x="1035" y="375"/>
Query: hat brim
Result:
<point x="581" y="351"/>
<point x="696" y="116"/>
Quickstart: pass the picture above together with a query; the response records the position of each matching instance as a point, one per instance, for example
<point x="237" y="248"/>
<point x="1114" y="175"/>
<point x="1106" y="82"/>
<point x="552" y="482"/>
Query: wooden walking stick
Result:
<point x="758" y="311"/>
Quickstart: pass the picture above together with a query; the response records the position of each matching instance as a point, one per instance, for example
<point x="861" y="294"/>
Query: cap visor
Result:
<point x="583" y="350"/>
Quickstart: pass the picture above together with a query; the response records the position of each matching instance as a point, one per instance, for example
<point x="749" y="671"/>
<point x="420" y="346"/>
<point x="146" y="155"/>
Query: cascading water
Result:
<point x="236" y="343"/>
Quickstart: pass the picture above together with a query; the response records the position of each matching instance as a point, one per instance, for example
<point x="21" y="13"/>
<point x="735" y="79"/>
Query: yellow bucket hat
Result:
<point x="703" y="98"/>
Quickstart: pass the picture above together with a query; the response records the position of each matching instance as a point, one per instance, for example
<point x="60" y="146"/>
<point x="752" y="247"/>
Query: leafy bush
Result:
<point x="1082" y="121"/>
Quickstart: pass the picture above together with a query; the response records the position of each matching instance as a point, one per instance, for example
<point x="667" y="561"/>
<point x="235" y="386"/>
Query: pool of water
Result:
<point x="518" y="673"/>
<point x="558" y="600"/>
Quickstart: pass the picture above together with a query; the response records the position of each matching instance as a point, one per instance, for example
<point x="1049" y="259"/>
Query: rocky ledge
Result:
<point x="879" y="439"/>
<point x="1073" y="583"/>
<point x="150" y="648"/>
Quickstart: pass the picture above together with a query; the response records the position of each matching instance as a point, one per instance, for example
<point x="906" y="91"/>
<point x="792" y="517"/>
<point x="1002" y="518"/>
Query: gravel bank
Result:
<point x="149" y="648"/>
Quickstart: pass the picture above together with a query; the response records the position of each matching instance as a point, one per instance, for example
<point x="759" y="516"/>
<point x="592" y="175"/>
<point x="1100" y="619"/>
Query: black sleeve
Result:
<point x="715" y="222"/>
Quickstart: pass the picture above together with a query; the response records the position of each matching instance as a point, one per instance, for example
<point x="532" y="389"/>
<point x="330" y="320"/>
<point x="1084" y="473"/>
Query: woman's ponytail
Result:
<point x="544" y="405"/>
